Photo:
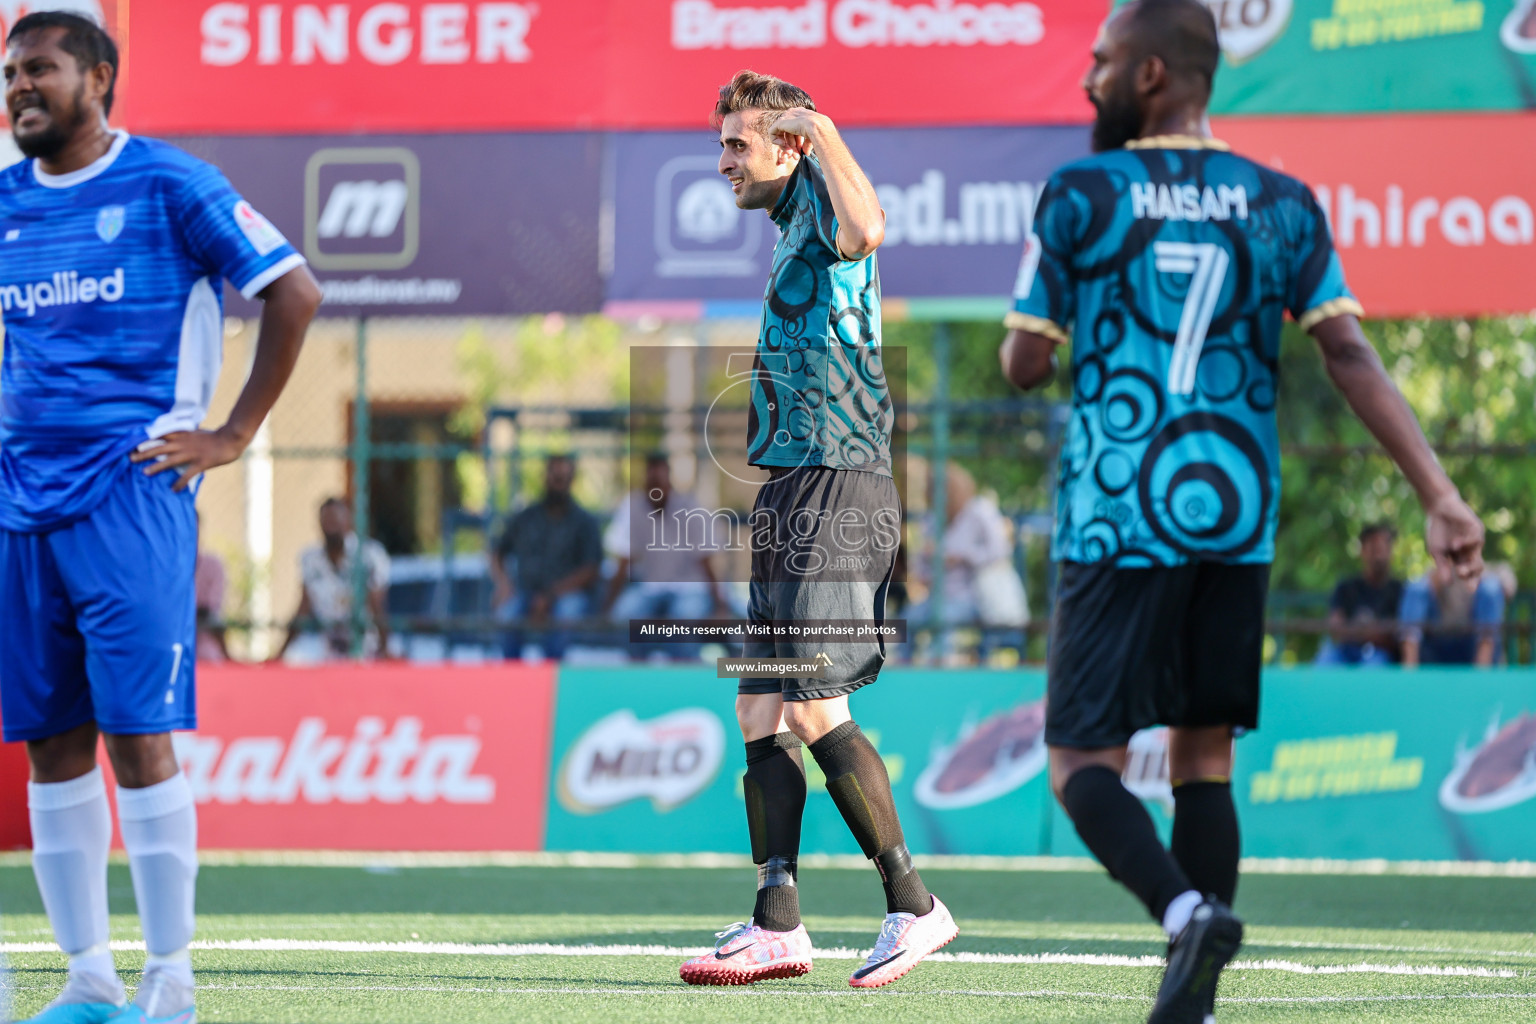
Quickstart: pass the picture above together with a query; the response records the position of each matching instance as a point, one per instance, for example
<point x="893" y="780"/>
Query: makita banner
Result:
<point x="404" y="65"/>
<point x="370" y="757"/>
<point x="430" y="224"/>
<point x="958" y="203"/>
<point x="1432" y="215"/>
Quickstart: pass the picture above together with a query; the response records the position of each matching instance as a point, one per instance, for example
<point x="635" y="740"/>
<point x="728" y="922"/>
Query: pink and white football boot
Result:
<point x="746" y="953"/>
<point x="904" y="940"/>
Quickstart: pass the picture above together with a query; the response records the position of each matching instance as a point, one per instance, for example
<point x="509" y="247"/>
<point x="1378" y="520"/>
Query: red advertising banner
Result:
<point x="281" y="67"/>
<point x="1432" y="214"/>
<point x="371" y="757"/>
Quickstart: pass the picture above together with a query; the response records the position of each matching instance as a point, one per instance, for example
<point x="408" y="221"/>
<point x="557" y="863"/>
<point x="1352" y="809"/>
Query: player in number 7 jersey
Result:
<point x="1169" y="262"/>
<point x="114" y="252"/>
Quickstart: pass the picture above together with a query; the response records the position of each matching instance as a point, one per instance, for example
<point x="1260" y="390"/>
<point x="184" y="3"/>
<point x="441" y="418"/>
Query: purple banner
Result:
<point x="958" y="204"/>
<point x="430" y="224"/>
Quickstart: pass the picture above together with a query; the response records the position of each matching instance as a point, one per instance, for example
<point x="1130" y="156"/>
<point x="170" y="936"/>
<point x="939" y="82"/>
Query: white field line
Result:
<point x="1251" y="942"/>
<point x="708" y="992"/>
<point x="1251" y="865"/>
<point x="837" y="953"/>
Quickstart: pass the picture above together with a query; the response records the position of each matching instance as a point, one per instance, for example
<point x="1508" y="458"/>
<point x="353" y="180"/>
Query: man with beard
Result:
<point x="1169" y="262"/>
<point x="820" y="423"/>
<point x="113" y="256"/>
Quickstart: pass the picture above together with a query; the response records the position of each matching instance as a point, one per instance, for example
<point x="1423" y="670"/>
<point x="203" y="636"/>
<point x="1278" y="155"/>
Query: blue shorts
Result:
<point x="98" y="619"/>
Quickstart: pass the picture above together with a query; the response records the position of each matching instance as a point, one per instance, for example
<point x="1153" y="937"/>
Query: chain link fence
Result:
<point x="435" y="430"/>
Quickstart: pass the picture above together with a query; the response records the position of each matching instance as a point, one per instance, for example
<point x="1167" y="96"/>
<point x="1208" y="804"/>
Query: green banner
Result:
<point x="1367" y="56"/>
<point x="1348" y="764"/>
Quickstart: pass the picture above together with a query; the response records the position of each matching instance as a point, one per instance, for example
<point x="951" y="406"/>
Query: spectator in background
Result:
<point x="981" y="586"/>
<point x="546" y="564"/>
<point x="663" y="541"/>
<point x="208" y="580"/>
<point x="1363" y="610"/>
<point x="328" y="572"/>
<point x="1446" y="622"/>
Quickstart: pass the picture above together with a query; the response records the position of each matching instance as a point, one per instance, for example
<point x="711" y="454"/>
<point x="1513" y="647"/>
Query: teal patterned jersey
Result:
<point x="1170" y="265"/>
<point x="819" y="393"/>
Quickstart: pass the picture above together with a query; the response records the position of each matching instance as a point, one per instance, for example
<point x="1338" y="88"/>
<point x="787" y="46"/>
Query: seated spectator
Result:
<point x="329" y="574"/>
<point x="662" y="540"/>
<point x="1364" y="607"/>
<point x="545" y="564"/>
<point x="1446" y="622"/>
<point x="208" y="585"/>
<point x="981" y="586"/>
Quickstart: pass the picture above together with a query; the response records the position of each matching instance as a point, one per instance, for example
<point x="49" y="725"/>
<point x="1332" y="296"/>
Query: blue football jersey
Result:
<point x="819" y="393"/>
<point x="1169" y="265"/>
<point x="112" y="297"/>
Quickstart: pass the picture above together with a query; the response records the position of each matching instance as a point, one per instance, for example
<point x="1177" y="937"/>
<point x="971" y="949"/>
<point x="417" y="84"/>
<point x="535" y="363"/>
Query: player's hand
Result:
<point x="1454" y="535"/>
<point x="192" y="452"/>
<point x="796" y="128"/>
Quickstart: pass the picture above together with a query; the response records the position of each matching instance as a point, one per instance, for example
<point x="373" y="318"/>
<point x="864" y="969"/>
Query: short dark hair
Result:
<point x="1370" y="530"/>
<point x="748" y="90"/>
<point x="84" y="39"/>
<point x="1181" y="32"/>
<point x="658" y="459"/>
<point x="333" y="501"/>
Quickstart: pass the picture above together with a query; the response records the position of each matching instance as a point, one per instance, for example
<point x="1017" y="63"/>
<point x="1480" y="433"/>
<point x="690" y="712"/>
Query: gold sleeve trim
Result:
<point x="1016" y="321"/>
<point x="1177" y="142"/>
<point x="1328" y="310"/>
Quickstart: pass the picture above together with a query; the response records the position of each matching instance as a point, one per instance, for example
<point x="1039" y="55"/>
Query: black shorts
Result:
<point x="823" y="547"/>
<point x="1172" y="645"/>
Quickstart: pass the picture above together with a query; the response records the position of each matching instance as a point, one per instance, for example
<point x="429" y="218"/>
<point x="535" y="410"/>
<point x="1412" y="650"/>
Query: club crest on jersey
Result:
<point x="109" y="222"/>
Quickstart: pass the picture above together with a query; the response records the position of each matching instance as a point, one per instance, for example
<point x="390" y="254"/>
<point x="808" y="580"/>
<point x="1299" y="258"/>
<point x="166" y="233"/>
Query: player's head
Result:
<point x="335" y="520"/>
<point x="559" y="472"/>
<point x="60" y="72"/>
<point x="1152" y="59"/>
<point x="658" y="473"/>
<point x="1376" y="548"/>
<point x="756" y="163"/>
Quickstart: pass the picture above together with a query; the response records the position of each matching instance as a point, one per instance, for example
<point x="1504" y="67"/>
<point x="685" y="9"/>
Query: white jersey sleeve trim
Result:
<point x="86" y="173"/>
<point x="272" y="273"/>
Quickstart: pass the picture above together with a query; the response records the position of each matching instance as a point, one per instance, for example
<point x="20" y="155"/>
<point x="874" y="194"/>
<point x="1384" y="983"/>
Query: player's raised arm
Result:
<point x="1453" y="531"/>
<point x="860" y="221"/>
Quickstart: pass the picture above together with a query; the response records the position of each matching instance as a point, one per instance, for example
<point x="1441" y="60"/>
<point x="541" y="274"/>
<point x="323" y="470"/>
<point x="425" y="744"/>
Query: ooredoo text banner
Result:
<point x="370" y="757"/>
<point x="1431" y="214"/>
<point x="393" y="65"/>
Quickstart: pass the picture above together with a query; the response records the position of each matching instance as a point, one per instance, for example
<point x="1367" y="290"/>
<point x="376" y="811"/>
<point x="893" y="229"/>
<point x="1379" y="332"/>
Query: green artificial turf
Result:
<point x="1306" y="920"/>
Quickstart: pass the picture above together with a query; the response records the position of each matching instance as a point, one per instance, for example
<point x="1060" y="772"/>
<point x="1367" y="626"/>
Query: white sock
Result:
<point x="1180" y="911"/>
<point x="160" y="833"/>
<point x="71" y="831"/>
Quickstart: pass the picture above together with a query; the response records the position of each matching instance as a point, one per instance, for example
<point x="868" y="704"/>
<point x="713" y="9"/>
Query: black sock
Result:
<point x="859" y="785"/>
<point x="1205" y="838"/>
<point x="774" y="786"/>
<point x="1117" y="828"/>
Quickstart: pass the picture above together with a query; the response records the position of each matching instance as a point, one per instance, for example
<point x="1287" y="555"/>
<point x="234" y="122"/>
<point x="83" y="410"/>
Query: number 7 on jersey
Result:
<point x="1207" y="262"/>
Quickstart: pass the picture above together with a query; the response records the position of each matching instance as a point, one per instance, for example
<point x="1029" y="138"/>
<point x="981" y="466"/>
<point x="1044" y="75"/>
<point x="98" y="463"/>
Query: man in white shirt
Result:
<point x="328" y="571"/>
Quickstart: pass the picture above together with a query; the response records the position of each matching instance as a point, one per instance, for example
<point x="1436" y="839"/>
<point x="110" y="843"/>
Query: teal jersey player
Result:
<point x="819" y="393"/>
<point x="1171" y="263"/>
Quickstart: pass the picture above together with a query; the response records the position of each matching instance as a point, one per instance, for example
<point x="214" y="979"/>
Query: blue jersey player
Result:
<point x="113" y="256"/>
<point x="1168" y="263"/>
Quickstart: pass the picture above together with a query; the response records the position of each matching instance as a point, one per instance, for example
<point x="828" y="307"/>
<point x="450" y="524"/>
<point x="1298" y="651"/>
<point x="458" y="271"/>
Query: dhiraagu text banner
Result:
<point x="1436" y="764"/>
